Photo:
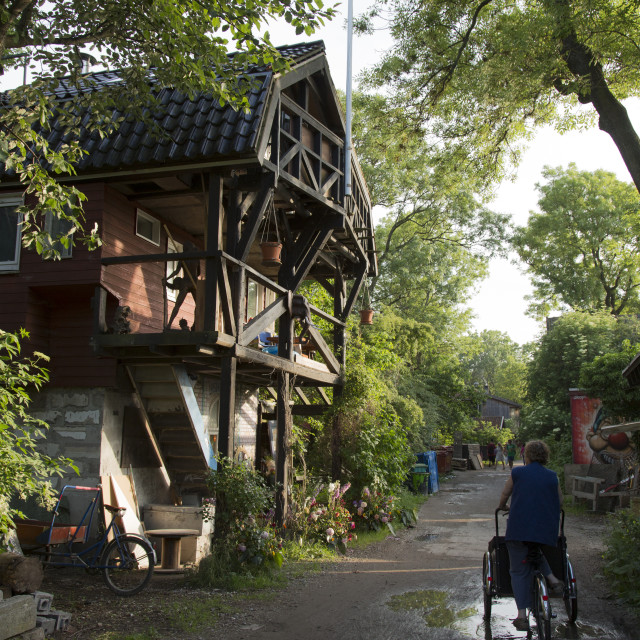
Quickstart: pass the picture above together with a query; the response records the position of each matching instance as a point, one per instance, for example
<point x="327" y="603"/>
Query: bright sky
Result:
<point x="499" y="303"/>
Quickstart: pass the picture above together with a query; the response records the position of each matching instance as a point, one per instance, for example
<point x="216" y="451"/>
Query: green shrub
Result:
<point x="622" y="561"/>
<point x="245" y="540"/>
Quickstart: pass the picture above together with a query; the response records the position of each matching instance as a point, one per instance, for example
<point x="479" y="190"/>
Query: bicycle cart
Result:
<point x="496" y="581"/>
<point x="126" y="560"/>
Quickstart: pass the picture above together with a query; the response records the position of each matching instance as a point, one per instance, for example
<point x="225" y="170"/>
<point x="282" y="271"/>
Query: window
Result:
<point x="172" y="265"/>
<point x="57" y="227"/>
<point x="10" y="233"/>
<point x="148" y="227"/>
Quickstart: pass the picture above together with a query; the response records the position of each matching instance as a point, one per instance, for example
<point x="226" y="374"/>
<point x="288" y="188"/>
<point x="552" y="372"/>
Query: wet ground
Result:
<point x="427" y="582"/>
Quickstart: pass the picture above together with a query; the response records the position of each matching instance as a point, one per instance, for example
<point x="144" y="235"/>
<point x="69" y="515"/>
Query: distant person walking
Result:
<point x="491" y="453"/>
<point x="511" y="453"/>
<point x="500" y="457"/>
<point x="522" y="451"/>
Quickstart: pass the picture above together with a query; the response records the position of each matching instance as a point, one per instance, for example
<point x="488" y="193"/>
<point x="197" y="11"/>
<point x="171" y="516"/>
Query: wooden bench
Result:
<point x="587" y="487"/>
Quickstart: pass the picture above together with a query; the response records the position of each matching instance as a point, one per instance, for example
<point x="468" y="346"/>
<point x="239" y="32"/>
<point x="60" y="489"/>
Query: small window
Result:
<point x="172" y="266"/>
<point x="10" y="233"/>
<point x="148" y="227"/>
<point x="57" y="227"/>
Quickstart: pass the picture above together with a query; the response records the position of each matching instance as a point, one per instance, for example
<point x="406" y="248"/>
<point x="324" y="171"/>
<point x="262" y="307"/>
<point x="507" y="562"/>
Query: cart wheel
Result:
<point x="487" y="584"/>
<point x="127" y="564"/>
<point x="542" y="607"/>
<point x="571" y="594"/>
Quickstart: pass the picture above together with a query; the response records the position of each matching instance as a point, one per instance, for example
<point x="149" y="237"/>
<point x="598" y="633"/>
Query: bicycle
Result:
<point x="126" y="560"/>
<point x="496" y="579"/>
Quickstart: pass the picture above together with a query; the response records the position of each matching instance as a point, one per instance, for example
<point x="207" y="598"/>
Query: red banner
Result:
<point x="583" y="415"/>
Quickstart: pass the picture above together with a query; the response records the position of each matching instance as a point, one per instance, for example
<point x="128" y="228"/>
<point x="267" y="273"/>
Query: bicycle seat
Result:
<point x="112" y="509"/>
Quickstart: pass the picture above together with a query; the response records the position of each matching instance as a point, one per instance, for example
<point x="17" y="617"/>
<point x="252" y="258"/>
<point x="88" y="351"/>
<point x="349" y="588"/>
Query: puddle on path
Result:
<point x="438" y="610"/>
<point x="427" y="537"/>
<point x="435" y="606"/>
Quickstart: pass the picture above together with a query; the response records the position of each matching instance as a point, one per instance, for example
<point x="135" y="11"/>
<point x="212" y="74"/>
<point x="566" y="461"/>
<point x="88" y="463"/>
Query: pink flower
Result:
<point x="377" y="517"/>
<point x="242" y="548"/>
<point x="385" y="519"/>
<point x="330" y="531"/>
<point x="352" y="525"/>
<point x="363" y="504"/>
<point x="264" y="534"/>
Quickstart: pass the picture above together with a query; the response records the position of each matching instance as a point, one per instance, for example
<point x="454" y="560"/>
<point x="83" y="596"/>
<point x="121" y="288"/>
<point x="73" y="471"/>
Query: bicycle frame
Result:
<point x="88" y="558"/>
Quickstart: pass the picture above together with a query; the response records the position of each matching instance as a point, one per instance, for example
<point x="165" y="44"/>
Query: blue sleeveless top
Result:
<point x="534" y="513"/>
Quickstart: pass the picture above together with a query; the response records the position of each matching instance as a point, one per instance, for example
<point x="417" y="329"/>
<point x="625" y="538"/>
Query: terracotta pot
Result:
<point x="271" y="253"/>
<point x="366" y="316"/>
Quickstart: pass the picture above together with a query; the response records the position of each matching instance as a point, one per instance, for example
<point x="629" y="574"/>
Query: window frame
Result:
<point x="13" y="200"/>
<point x="155" y="225"/>
<point x="49" y="221"/>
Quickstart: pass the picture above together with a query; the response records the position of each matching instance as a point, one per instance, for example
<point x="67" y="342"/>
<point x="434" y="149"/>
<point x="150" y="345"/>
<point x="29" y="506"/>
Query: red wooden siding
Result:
<point x="138" y="286"/>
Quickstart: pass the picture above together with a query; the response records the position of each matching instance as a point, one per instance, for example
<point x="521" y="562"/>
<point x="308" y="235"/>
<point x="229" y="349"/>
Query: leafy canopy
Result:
<point x="154" y="43"/>
<point x="478" y="77"/>
<point x="582" y="250"/>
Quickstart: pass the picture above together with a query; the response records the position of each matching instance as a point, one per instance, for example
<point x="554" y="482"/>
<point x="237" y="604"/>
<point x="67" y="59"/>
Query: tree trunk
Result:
<point x="22" y="574"/>
<point x="613" y="117"/>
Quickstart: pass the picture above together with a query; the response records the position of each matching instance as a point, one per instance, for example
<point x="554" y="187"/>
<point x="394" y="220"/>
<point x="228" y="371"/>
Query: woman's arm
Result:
<point x="506" y="493"/>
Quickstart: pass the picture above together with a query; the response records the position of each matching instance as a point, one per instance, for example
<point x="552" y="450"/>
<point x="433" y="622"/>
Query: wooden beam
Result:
<point x="361" y="273"/>
<point x="212" y="265"/>
<point x="255" y="216"/>
<point x="260" y="322"/>
<point x="226" y="299"/>
<point x="323" y="394"/>
<point x="309" y="410"/>
<point x="227" y="409"/>
<point x="281" y="364"/>
<point x="324" y="349"/>
<point x="301" y="395"/>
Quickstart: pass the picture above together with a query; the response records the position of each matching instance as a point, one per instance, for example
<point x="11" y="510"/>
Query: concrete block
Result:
<point x="37" y="633"/>
<point x="17" y="614"/>
<point x="82" y="417"/>
<point x="43" y="602"/>
<point x="48" y="625"/>
<point x="60" y="619"/>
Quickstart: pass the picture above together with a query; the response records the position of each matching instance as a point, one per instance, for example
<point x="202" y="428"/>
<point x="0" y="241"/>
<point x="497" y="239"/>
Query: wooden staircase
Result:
<point x="174" y="423"/>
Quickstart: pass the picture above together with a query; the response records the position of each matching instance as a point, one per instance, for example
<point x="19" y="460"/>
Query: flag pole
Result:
<point x="347" y="142"/>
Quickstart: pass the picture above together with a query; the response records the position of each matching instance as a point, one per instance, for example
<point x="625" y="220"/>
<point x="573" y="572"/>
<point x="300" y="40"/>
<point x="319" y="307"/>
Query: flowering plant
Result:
<point x="330" y="523"/>
<point x="374" y="510"/>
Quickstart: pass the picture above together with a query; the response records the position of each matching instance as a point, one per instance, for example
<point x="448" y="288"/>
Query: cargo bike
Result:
<point x="126" y="560"/>
<point x="496" y="581"/>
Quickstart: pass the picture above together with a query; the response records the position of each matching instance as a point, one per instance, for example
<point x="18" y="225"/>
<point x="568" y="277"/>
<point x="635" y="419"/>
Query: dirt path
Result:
<point x="435" y="567"/>
<point x="426" y="583"/>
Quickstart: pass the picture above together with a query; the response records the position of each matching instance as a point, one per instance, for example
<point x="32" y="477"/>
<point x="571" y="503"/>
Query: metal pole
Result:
<point x="347" y="142"/>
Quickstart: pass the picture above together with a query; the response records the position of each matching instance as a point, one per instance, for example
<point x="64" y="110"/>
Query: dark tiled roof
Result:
<point x="196" y="130"/>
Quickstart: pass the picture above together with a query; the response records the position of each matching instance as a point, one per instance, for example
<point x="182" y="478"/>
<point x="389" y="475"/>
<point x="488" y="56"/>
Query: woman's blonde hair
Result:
<point x="537" y="451"/>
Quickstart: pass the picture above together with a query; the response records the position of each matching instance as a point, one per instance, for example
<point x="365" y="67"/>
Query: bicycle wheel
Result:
<point x="127" y="564"/>
<point x="487" y="580"/>
<point x="571" y="594"/>
<point x="542" y="607"/>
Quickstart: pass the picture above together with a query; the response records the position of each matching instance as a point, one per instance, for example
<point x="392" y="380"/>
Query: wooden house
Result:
<point x="136" y="387"/>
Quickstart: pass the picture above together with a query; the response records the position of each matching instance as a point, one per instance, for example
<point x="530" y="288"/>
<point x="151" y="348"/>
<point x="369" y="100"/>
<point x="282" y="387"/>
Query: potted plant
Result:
<point x="366" y="312"/>
<point x="270" y="249"/>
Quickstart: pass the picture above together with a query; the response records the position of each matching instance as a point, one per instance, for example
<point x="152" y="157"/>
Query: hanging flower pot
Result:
<point x="366" y="316"/>
<point x="271" y="253"/>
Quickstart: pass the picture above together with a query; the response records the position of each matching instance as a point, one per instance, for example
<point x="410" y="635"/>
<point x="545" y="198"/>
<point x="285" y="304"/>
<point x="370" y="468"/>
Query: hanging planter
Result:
<point x="366" y="316"/>
<point x="271" y="253"/>
<point x="366" y="312"/>
<point x="270" y="249"/>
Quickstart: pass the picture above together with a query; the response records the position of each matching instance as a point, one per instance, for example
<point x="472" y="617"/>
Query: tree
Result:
<point x="564" y="360"/>
<point x="583" y="249"/>
<point x="24" y="471"/>
<point x="156" y="43"/>
<point x="479" y="76"/>
<point x="495" y="360"/>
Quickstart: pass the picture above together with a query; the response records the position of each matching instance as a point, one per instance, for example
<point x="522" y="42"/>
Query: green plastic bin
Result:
<point x="420" y="478"/>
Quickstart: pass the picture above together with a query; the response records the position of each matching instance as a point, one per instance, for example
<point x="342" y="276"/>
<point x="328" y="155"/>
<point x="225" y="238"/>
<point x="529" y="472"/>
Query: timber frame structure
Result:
<point x="221" y="180"/>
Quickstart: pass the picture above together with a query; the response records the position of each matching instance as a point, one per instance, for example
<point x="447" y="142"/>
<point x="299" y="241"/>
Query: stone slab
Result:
<point x="17" y="614"/>
<point x="37" y="633"/>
